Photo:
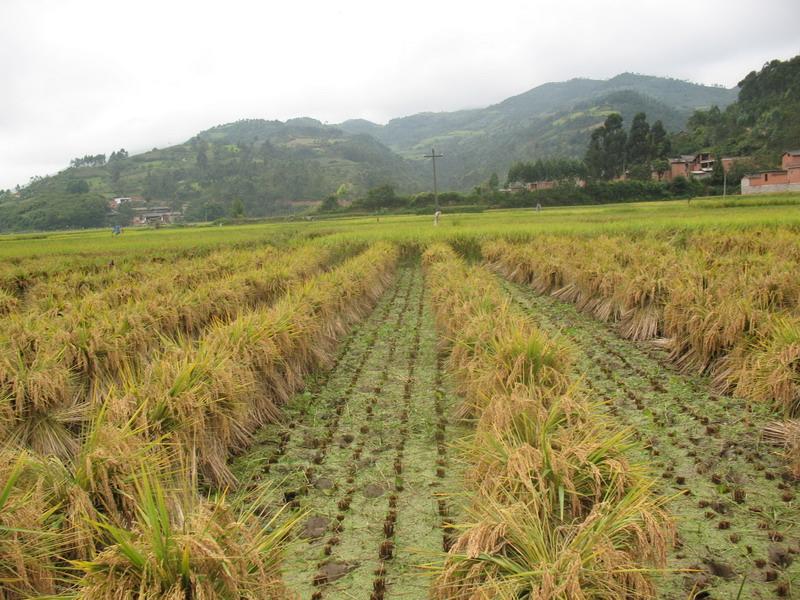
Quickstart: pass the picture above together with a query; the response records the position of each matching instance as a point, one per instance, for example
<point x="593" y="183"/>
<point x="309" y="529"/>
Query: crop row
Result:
<point x="725" y="304"/>
<point x="734" y="500"/>
<point x="558" y="510"/>
<point x="125" y="508"/>
<point x="48" y="363"/>
<point x="115" y="283"/>
<point x="31" y="281"/>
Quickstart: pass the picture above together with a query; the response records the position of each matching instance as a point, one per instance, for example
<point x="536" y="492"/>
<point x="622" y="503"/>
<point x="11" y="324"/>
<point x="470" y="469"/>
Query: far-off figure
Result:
<point x="538" y="207"/>
<point x="436" y="216"/>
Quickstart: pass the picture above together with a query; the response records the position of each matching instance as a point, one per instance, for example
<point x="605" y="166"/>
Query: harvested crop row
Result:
<point x="198" y="402"/>
<point x="115" y="283"/>
<point x="48" y="365"/>
<point x="31" y="280"/>
<point x="728" y="304"/>
<point x="211" y="395"/>
<point x="736" y="504"/>
<point x="559" y="509"/>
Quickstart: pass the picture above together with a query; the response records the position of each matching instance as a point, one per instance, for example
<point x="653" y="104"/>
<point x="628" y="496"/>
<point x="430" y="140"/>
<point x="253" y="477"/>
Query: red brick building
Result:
<point x="785" y="179"/>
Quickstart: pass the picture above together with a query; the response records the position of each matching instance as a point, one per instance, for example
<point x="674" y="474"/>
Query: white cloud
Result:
<point x="89" y="76"/>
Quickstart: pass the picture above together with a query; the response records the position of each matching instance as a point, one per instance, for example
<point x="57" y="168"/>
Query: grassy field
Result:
<point x="587" y="402"/>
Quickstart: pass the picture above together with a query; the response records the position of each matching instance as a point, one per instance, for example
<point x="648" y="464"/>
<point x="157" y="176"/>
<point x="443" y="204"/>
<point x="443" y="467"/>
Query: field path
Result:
<point x="365" y="454"/>
<point x="737" y="509"/>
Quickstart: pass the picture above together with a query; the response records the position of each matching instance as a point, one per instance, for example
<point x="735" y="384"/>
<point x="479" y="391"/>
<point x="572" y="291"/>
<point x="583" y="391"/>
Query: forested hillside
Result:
<point x="554" y="119"/>
<point x="261" y="168"/>
<point x="763" y="123"/>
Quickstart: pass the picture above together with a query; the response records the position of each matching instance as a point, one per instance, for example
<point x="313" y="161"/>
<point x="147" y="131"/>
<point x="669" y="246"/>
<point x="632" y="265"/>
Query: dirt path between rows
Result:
<point x="366" y="456"/>
<point x="737" y="515"/>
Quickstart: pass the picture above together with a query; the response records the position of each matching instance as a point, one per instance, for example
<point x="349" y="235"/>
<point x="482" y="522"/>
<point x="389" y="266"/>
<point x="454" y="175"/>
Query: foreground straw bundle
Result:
<point x="559" y="511"/>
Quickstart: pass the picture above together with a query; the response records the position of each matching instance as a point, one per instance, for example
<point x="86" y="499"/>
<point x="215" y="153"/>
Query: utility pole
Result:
<point x="433" y="156"/>
<point x="724" y="181"/>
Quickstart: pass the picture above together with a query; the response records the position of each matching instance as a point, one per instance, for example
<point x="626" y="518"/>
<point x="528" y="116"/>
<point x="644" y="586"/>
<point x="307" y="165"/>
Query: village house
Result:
<point x="698" y="166"/>
<point x="155" y="215"/>
<point x="115" y="203"/>
<point x="535" y="186"/>
<point x="785" y="179"/>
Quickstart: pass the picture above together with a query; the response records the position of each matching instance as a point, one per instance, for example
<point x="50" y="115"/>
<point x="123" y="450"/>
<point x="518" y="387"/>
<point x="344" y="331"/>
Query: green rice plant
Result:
<point x="183" y="546"/>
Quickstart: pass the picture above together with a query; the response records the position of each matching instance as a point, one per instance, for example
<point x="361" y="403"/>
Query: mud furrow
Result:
<point x="735" y="502"/>
<point x="364" y="454"/>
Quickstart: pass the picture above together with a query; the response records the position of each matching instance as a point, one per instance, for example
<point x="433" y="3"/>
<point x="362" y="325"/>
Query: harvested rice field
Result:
<point x="596" y="403"/>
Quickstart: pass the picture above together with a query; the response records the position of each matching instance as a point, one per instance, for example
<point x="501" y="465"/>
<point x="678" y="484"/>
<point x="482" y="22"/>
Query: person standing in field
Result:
<point x="436" y="216"/>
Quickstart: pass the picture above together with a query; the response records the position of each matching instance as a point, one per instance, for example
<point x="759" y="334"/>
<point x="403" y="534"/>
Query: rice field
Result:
<point x="594" y="402"/>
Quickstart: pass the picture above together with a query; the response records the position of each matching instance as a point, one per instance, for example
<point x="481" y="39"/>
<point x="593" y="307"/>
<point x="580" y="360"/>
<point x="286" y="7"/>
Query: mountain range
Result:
<point x="270" y="166"/>
<point x="554" y="119"/>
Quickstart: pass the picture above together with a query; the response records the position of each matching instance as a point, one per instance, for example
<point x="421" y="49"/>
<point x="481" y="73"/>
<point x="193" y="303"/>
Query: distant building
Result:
<point x="697" y="166"/>
<point x="535" y="186"/>
<point x="125" y="200"/>
<point x="785" y="179"/>
<point x="155" y="215"/>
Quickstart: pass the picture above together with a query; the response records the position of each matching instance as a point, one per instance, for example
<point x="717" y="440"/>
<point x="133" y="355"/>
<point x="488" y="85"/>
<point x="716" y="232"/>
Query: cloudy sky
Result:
<point x="85" y="77"/>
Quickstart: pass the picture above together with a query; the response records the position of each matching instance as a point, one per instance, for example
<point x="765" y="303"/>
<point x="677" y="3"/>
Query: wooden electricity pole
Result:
<point x="433" y="156"/>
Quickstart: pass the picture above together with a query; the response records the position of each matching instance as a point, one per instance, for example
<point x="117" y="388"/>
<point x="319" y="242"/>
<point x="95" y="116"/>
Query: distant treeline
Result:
<point x="548" y="169"/>
<point x="565" y="193"/>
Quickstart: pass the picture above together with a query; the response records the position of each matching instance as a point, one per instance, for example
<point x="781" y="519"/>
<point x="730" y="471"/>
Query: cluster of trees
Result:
<point x="90" y="160"/>
<point x="120" y="154"/>
<point x="547" y="170"/>
<point x="77" y="186"/>
<point x="55" y="211"/>
<point x="612" y="151"/>
<point x="604" y="192"/>
<point x="384" y="198"/>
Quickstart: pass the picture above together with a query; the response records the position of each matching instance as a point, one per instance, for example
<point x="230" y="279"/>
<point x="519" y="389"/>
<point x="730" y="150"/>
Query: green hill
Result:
<point x="763" y="123"/>
<point x="273" y="167"/>
<point x="554" y="119"/>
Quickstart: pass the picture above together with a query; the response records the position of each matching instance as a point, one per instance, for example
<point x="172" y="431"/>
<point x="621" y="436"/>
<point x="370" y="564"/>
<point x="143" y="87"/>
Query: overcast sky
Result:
<point x="86" y="77"/>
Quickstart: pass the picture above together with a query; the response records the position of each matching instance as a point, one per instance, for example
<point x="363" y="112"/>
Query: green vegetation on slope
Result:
<point x="763" y="123"/>
<point x="260" y="168"/>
